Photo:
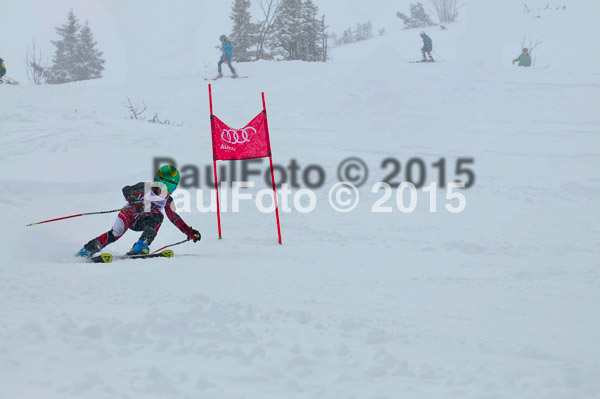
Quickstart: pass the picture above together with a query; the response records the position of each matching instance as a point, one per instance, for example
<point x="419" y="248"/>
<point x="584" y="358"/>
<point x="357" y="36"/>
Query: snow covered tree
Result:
<point x="264" y="27"/>
<point x="363" y="31"/>
<point x="347" y="37"/>
<point x="446" y="10"/>
<point x="287" y="29"/>
<point x="297" y="32"/>
<point x="244" y="35"/>
<point x="418" y="13"/>
<point x="314" y="35"/>
<point x="65" y="55"/>
<point x="90" y="63"/>
<point x="310" y="38"/>
<point x="75" y="57"/>
<point x="418" y="17"/>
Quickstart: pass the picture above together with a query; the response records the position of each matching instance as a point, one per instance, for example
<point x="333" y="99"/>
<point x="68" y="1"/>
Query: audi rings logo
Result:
<point x="237" y="136"/>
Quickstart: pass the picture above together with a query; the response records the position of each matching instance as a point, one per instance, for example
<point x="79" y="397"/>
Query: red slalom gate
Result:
<point x="250" y="142"/>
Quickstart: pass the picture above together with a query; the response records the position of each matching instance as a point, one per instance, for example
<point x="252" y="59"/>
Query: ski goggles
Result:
<point x="171" y="185"/>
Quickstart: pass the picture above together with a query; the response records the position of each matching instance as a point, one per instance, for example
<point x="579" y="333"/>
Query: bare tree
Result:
<point x="532" y="45"/>
<point x="156" y="119"/>
<point x="33" y="64"/>
<point x="446" y="10"/>
<point x="269" y="9"/>
<point x="324" y="40"/>
<point x="135" y="110"/>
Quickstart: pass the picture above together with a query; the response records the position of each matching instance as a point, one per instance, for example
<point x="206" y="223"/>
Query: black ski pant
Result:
<point x="148" y="224"/>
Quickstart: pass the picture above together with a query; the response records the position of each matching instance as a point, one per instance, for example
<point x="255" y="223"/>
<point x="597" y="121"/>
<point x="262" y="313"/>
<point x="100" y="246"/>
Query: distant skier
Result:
<point x="143" y="212"/>
<point x="227" y="52"/>
<point x="524" y="59"/>
<point x="427" y="47"/>
<point x="2" y="68"/>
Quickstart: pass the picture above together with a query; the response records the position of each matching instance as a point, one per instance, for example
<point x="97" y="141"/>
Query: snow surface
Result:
<point x="499" y="301"/>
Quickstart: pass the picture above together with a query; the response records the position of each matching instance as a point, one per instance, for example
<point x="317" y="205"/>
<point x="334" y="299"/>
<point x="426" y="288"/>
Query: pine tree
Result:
<point x="297" y="33"/>
<point x="418" y="17"/>
<point x="90" y="63"/>
<point x="347" y="37"/>
<point x="287" y="29"/>
<point x="363" y="31"/>
<point x="309" y="43"/>
<point x="65" y="55"/>
<point x="76" y="57"/>
<point x="244" y="32"/>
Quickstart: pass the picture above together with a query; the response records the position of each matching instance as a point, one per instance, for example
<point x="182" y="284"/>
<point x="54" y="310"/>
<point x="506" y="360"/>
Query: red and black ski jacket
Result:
<point x="142" y="195"/>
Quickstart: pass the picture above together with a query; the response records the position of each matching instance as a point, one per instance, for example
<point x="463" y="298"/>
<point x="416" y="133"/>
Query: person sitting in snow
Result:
<point x="2" y="68"/>
<point x="143" y="212"/>
<point x="227" y="52"/>
<point x="524" y="59"/>
<point x="427" y="47"/>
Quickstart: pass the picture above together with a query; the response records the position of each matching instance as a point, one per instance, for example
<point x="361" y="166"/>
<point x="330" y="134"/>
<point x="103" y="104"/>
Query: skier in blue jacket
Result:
<point x="227" y="50"/>
<point x="427" y="47"/>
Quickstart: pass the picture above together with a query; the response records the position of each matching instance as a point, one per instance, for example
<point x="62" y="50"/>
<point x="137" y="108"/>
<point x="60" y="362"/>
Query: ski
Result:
<point x="218" y="78"/>
<point x="104" y="258"/>
<point x="8" y="80"/>
<point x="419" y="62"/>
<point x="108" y="258"/>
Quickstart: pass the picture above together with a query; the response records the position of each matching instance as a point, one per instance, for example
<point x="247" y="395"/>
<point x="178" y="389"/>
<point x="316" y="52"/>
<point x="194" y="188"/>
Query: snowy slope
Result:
<point x="498" y="301"/>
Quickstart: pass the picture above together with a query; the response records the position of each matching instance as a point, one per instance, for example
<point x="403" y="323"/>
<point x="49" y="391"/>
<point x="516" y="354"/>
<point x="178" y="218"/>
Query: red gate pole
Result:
<point x="214" y="161"/>
<point x="210" y="99"/>
<point x="272" y="174"/>
<point x="217" y="191"/>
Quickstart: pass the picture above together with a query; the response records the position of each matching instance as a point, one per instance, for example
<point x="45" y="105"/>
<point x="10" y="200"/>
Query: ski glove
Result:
<point x="513" y="62"/>
<point x="134" y="200"/>
<point x="194" y="235"/>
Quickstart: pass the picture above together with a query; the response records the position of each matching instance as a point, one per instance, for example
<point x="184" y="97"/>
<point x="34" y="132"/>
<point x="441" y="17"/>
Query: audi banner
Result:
<point x="251" y="141"/>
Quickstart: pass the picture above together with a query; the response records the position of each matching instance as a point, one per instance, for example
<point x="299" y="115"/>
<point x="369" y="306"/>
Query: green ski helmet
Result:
<point x="169" y="175"/>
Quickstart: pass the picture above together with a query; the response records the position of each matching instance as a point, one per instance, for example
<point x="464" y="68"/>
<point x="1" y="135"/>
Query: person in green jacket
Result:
<point x="524" y="59"/>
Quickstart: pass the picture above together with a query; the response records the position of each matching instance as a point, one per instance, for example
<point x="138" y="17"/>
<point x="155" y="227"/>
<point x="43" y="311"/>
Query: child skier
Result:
<point x="143" y="212"/>
<point x="524" y="59"/>
<point x="227" y="51"/>
<point x="2" y="68"/>
<point x="427" y="47"/>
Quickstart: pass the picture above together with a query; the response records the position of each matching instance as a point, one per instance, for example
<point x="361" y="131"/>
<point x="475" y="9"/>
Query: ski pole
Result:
<point x="171" y="245"/>
<point x="439" y="56"/>
<point x="74" y="216"/>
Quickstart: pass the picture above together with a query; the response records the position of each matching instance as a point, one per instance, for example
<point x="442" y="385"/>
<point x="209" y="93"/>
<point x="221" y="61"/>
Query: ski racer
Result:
<point x="524" y="59"/>
<point x="427" y="47"/>
<point x="227" y="52"/>
<point x="143" y="212"/>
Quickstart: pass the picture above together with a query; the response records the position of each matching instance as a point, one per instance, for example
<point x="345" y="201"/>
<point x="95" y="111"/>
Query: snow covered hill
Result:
<point x="497" y="301"/>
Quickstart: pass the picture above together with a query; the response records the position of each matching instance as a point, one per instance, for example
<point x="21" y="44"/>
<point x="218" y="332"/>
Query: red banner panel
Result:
<point x="251" y="141"/>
